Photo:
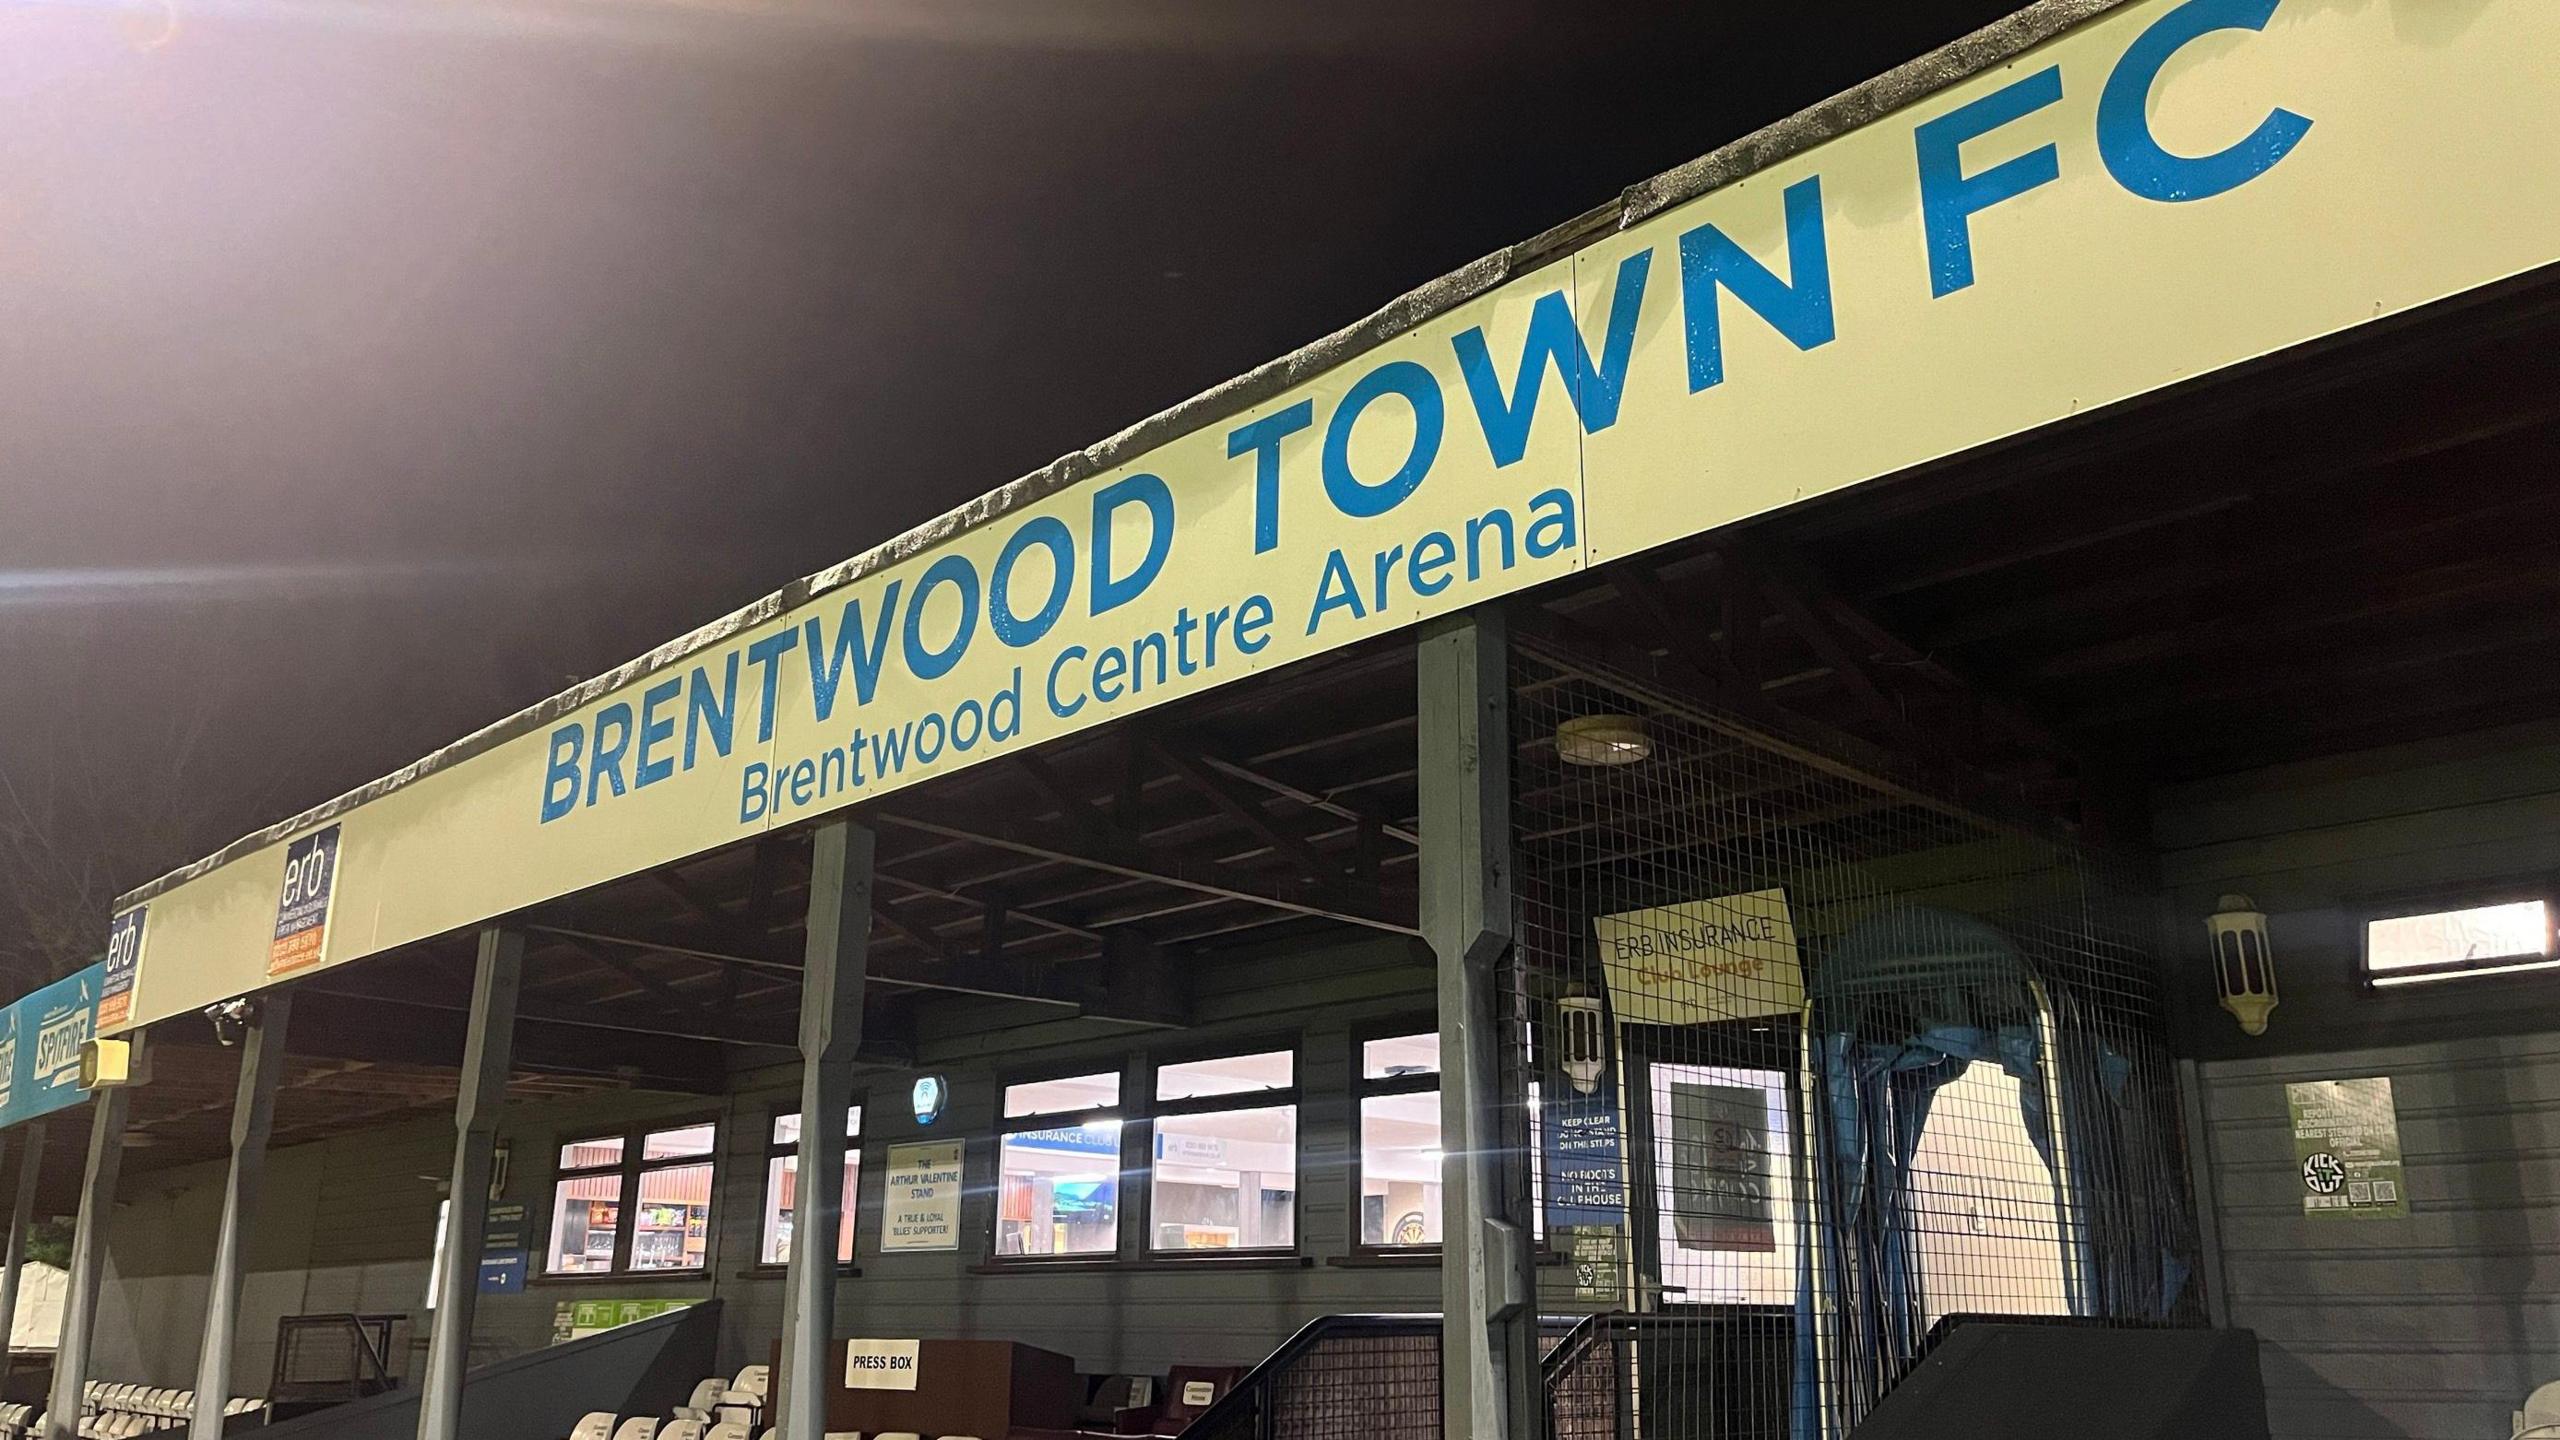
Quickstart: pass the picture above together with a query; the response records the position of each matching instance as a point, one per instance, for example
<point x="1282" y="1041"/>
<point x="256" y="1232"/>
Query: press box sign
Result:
<point x="880" y="1364"/>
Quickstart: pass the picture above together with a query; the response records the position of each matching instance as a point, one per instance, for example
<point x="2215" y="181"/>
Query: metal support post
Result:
<point x="22" y="1217"/>
<point x="1490" y="1386"/>
<point x="831" y="988"/>
<point x="488" y="1055"/>
<point x="107" y="1112"/>
<point x="253" y="1116"/>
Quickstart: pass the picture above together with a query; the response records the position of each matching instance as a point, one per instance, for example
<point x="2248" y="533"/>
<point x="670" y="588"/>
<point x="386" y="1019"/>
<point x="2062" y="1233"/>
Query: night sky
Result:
<point x="376" y="367"/>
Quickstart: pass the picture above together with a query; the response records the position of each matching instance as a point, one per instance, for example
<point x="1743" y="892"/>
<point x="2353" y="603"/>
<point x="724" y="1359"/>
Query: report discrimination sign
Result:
<point x="2165" y="189"/>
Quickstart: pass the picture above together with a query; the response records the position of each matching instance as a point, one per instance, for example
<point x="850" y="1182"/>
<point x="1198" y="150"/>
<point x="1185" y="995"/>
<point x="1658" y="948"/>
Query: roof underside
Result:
<point x="2339" y="550"/>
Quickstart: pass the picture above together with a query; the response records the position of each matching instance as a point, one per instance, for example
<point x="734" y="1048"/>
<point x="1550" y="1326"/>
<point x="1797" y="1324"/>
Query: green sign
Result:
<point x="1594" y="1252"/>
<point x="578" y="1319"/>
<point x="2346" y="1149"/>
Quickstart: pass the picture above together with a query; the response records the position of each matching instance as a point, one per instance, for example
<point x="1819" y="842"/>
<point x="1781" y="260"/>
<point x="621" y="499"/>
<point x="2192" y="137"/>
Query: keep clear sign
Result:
<point x="2346" y="1147"/>
<point x="922" y="1209"/>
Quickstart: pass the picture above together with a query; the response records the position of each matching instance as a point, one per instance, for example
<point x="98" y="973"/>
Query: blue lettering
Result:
<point x="1355" y="497"/>
<point x="1110" y="592"/>
<point x="1557" y="527"/>
<point x="752" y="800"/>
<point x="968" y="725"/>
<point x="1007" y="699"/>
<point x="766" y="655"/>
<point x="1253" y="624"/>
<point x="864" y="648"/>
<point x="717" y="714"/>
<point x="655" y="728"/>
<point x="1799" y="309"/>
<point x="1262" y="440"/>
<point x="930" y="737"/>
<point x="1430" y="577"/>
<point x="1335" y="590"/>
<point x="1595" y="391"/>
<point x="1496" y="523"/>
<point x="957" y="572"/>
<point x="1109" y="669"/>
<point x="1046" y="530"/>
<point x="560" y="774"/>
<point x="605" y="762"/>
<point x="2135" y="156"/>
<point x="1056" y="667"/>
<point x="889" y="749"/>
<point x="1949" y="197"/>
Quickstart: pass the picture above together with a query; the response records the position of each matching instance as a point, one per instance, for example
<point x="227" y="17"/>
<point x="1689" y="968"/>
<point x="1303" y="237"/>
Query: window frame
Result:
<point x="764" y="1196"/>
<point x="1151" y="1111"/>
<point x="2467" y="897"/>
<point x="1006" y="1126"/>
<point x="631" y="1168"/>
<point x="1364" y="1089"/>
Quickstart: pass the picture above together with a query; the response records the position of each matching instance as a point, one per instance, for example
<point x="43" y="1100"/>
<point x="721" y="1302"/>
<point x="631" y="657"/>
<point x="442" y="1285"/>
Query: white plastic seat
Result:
<point x="638" y="1427"/>
<point x="750" y="1387"/>
<point x="705" y="1398"/>
<point x="728" y="1430"/>
<point x="742" y="1415"/>
<point x="2540" y="1417"/>
<point x="594" y="1425"/>
<point x="897" y="1435"/>
<point x="682" y="1430"/>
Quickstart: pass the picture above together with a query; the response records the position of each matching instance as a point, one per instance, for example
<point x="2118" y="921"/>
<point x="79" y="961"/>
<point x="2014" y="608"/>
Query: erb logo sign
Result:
<point x="302" y="907"/>
<point x="124" y="952"/>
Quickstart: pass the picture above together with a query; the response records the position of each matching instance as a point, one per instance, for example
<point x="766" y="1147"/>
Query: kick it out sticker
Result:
<point x="2346" y="1149"/>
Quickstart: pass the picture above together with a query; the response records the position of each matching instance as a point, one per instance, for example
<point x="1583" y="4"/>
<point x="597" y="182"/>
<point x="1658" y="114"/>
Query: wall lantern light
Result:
<point x="1603" y="740"/>
<point x="1586" y="1051"/>
<point x="2244" y="969"/>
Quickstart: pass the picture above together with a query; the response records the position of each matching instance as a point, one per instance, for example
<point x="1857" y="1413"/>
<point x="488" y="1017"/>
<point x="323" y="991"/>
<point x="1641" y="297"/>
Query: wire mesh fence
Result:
<point x="1818" y="1064"/>
<point x="1344" y="1377"/>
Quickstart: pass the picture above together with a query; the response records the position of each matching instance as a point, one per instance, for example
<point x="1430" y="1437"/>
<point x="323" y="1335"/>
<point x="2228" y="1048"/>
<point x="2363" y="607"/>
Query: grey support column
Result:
<point x="22" y="1215"/>
<point x="831" y="986"/>
<point x="253" y="1116"/>
<point x="107" y="1111"/>
<point x="1489" y="1381"/>
<point x="488" y="1056"/>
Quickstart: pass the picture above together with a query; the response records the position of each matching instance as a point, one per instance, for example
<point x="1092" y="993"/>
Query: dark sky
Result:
<point x="369" y="368"/>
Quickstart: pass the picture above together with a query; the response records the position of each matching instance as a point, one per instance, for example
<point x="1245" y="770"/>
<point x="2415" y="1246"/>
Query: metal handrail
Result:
<point x="1248" y="1402"/>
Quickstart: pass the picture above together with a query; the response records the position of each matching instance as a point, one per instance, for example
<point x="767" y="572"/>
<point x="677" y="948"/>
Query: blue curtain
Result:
<point x="1876" y="1097"/>
<point x="1905" y="1003"/>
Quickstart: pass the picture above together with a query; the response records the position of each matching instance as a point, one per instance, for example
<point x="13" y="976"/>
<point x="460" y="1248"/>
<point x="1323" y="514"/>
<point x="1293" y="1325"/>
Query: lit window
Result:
<point x="1400" y="1142"/>
<point x="1225" y="1171"/>
<point x="781" y="1187"/>
<point x="1241" y="1075"/>
<point x="1400" y="1145"/>
<point x="1060" y="1097"/>
<point x="2440" y="944"/>
<point x="1400" y="1056"/>
<point x="1058" y="1182"/>
<point x="661" y="1185"/>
